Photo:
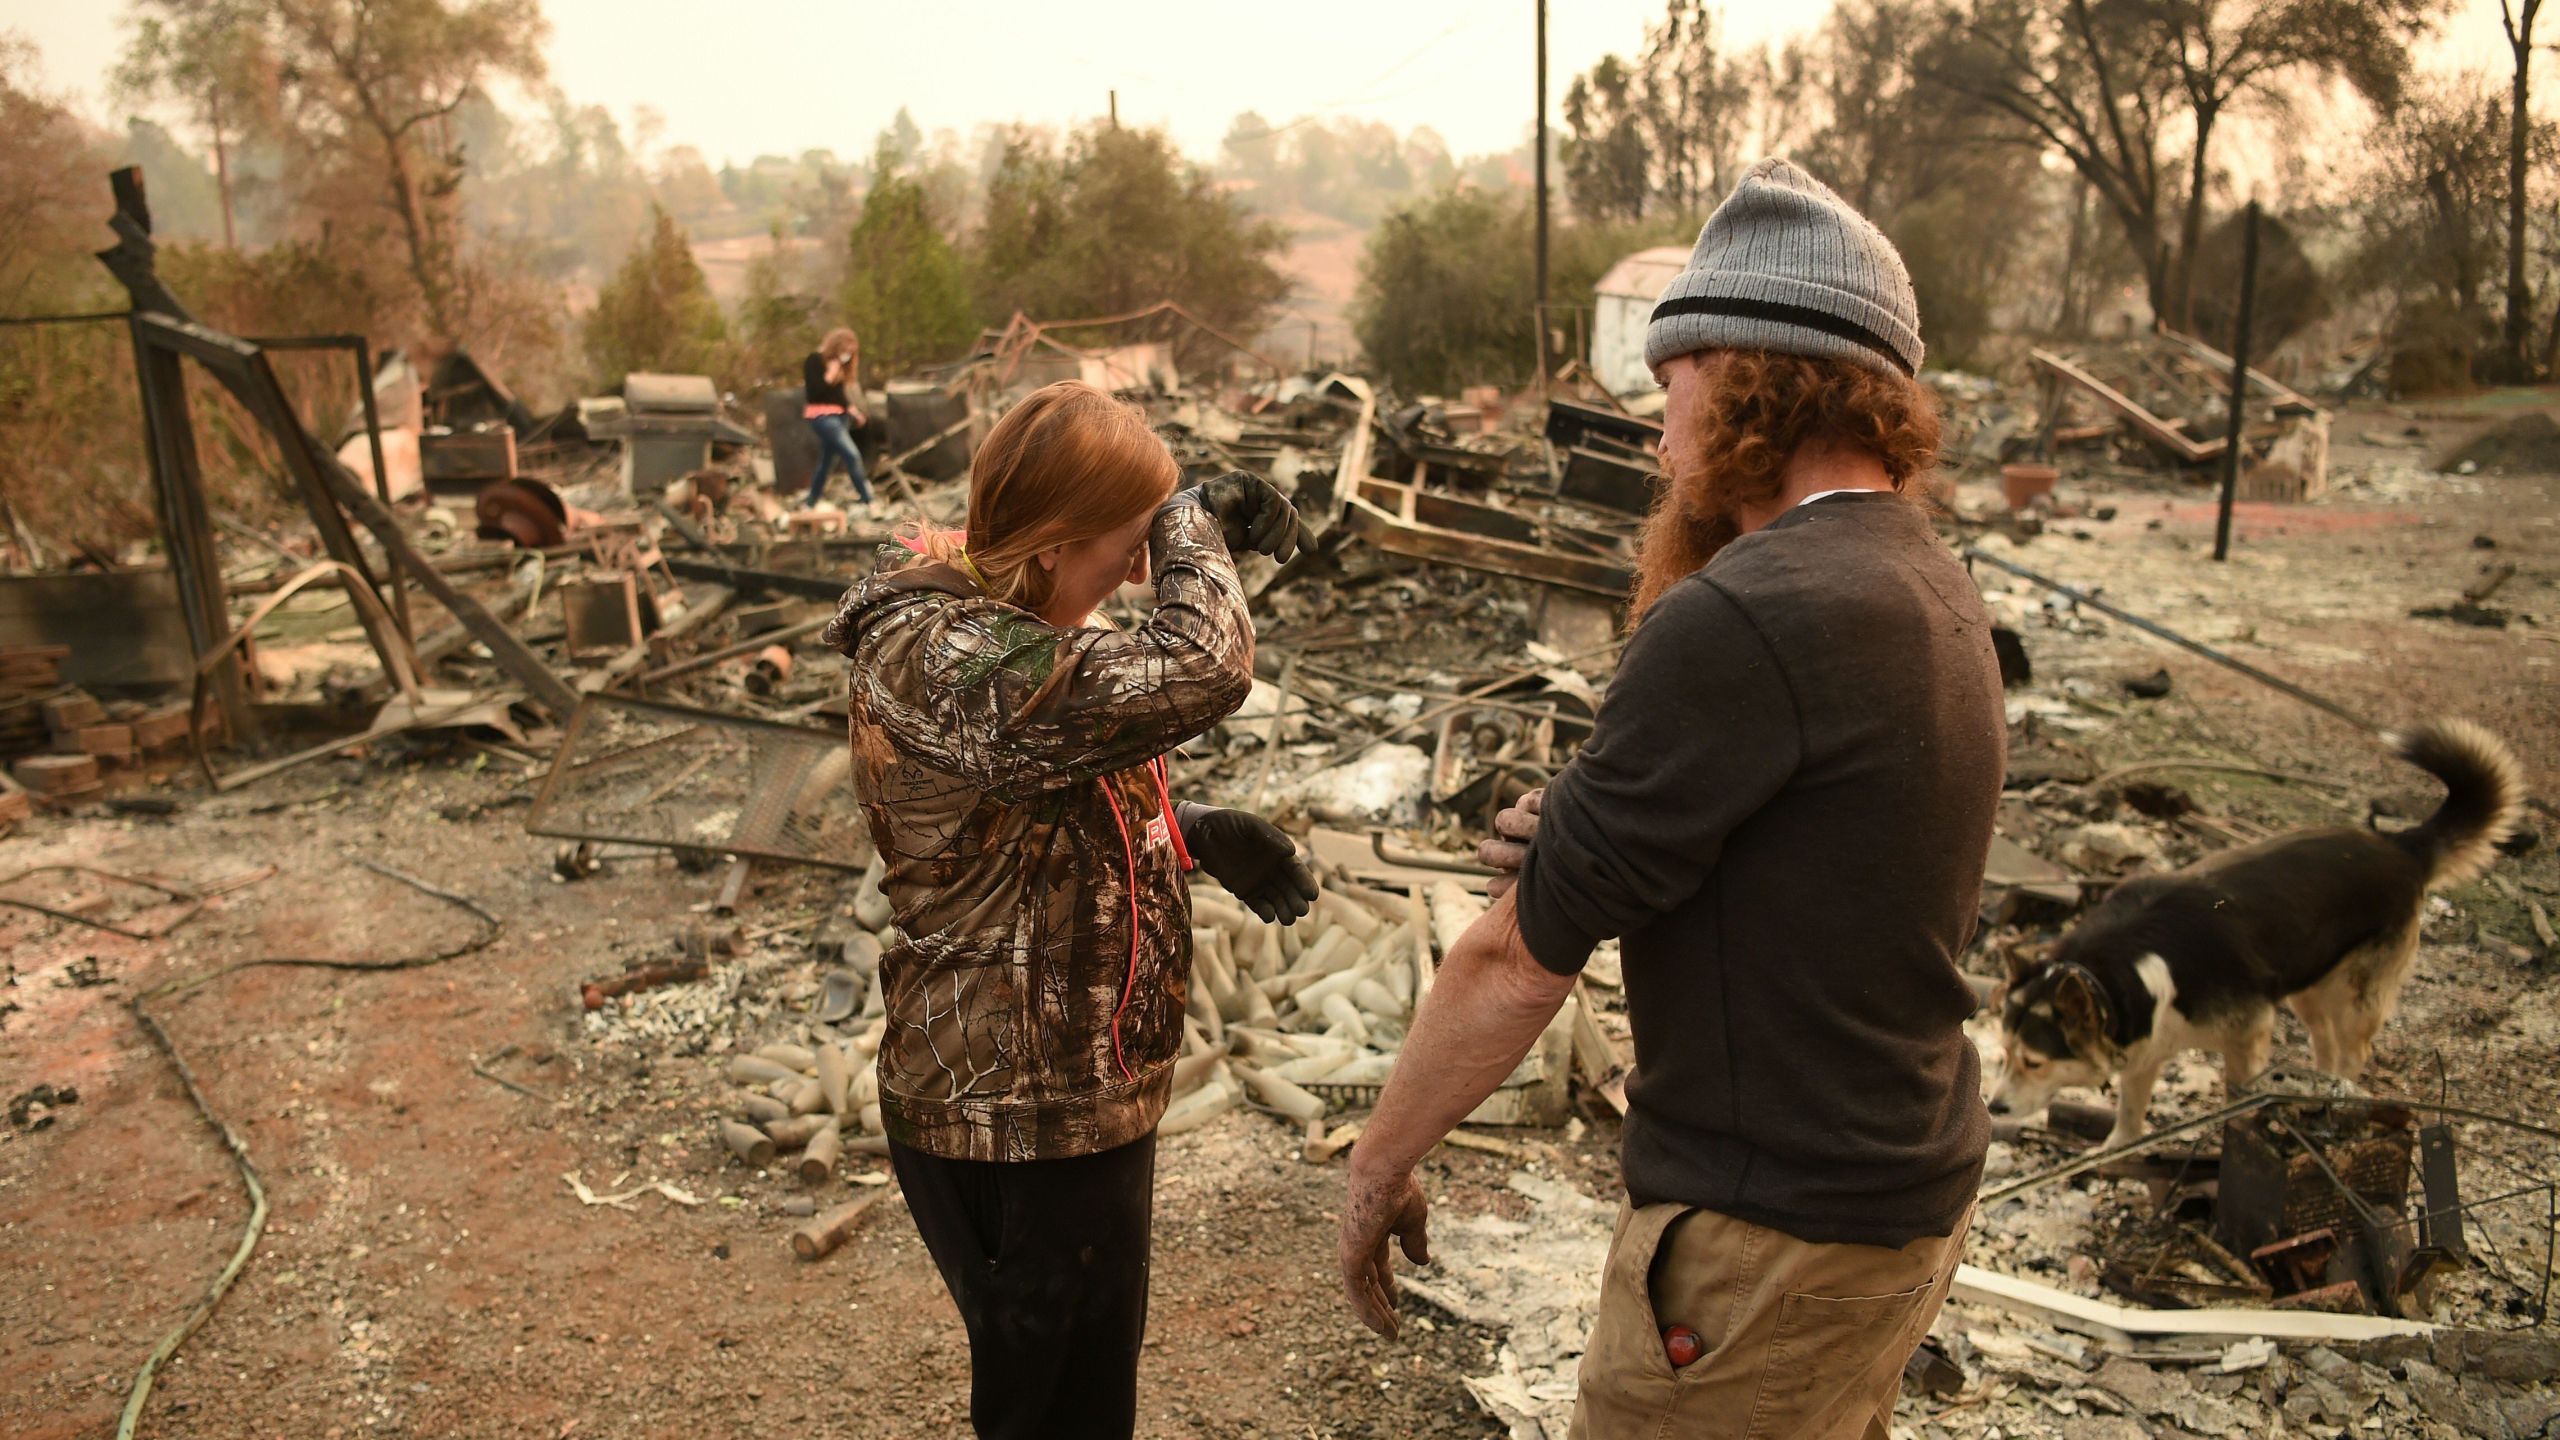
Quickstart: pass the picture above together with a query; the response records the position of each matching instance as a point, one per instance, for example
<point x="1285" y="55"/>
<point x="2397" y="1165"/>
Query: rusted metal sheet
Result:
<point x="600" y="614"/>
<point x="468" y="455"/>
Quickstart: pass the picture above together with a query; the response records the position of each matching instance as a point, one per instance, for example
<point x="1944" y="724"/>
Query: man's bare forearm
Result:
<point x="1486" y="1008"/>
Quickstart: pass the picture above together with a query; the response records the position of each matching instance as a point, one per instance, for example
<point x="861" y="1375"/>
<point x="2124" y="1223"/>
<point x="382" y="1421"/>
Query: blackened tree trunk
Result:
<point x="2182" y="296"/>
<point x="222" y="180"/>
<point x="2518" y="19"/>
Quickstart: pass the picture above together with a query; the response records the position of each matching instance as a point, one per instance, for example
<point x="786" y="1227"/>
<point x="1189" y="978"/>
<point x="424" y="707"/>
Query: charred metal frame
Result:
<point x="1472" y="537"/>
<point x="362" y="350"/>
<point x="164" y="336"/>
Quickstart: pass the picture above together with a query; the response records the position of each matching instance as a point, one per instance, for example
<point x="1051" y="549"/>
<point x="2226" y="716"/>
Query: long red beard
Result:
<point x="1683" y="531"/>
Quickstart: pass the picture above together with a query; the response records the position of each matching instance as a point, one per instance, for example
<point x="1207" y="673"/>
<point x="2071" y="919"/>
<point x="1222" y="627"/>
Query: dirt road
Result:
<point x="427" y="1271"/>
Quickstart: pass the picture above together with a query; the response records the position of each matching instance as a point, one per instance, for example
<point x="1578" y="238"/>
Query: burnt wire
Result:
<point x="2321" y="703"/>
<point x="140" y="1394"/>
<point x="2494" y="1261"/>
<point x="93" y="317"/>
<point x="2247" y="1103"/>
<point x="2490" y="1160"/>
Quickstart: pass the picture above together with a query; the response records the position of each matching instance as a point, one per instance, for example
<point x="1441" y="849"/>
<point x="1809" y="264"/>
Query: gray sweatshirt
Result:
<point x="1784" y="810"/>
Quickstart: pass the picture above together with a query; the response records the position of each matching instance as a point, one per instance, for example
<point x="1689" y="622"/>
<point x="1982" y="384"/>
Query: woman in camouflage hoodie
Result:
<point x="1008" y="754"/>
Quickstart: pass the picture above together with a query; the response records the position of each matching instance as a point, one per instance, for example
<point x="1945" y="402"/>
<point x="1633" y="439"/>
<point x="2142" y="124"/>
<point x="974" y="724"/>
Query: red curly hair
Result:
<point x="1758" y="409"/>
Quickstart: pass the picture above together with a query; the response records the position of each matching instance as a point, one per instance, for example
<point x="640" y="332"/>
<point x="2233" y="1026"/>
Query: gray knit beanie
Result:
<point x="1784" y="264"/>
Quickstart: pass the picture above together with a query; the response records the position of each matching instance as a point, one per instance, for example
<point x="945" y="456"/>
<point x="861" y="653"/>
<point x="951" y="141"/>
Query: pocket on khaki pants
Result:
<point x="1825" y="1356"/>
<point x="1626" y="1382"/>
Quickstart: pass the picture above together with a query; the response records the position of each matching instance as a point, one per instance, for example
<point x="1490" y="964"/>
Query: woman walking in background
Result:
<point x="1008" y="752"/>
<point x="829" y="375"/>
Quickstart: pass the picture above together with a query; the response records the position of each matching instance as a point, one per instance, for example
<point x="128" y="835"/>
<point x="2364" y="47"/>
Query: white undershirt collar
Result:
<point x="1843" y="490"/>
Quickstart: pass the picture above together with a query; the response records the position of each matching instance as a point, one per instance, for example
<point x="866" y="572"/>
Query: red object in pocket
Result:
<point x="1682" y="1345"/>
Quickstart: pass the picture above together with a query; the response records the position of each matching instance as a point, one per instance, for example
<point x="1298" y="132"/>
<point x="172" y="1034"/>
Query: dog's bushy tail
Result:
<point x="2484" y="796"/>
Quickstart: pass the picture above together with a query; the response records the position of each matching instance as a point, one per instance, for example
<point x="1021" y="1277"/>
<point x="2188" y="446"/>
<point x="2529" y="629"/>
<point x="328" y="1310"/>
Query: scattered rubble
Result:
<point x="33" y="1108"/>
<point x="612" y="608"/>
<point x="2172" y="393"/>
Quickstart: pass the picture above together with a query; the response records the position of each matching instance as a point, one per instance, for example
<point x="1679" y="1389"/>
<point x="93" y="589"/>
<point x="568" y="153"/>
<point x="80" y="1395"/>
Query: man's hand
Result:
<point x="1251" y="515"/>
<point x="1380" y="1205"/>
<point x="1513" y="829"/>
<point x="1255" y="859"/>
<point x="1489" y="1005"/>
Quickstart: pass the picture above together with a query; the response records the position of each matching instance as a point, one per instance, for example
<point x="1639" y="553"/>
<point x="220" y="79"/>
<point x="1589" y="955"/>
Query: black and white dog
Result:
<point x="2324" y="920"/>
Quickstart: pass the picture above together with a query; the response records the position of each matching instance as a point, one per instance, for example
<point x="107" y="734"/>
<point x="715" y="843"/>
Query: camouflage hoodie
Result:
<point x="983" y="739"/>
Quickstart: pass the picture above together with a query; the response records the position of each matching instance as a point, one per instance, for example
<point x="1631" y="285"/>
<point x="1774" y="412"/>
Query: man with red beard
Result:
<point x="1782" y="813"/>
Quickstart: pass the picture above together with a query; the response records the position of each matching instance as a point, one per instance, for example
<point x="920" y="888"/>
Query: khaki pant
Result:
<point x="1802" y="1341"/>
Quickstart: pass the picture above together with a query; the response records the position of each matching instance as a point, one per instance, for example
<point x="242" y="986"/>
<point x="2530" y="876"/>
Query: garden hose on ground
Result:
<point x="140" y="1394"/>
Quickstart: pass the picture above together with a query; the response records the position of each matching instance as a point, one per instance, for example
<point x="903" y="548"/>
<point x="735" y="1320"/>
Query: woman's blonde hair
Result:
<point x="1067" y="464"/>
<point x="839" y="343"/>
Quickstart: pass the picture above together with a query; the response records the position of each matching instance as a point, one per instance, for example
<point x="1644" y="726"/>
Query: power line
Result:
<point x="91" y="318"/>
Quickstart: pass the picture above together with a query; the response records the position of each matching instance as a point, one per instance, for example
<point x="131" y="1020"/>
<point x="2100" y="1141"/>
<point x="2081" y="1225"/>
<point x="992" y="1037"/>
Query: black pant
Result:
<point x="1047" y="1260"/>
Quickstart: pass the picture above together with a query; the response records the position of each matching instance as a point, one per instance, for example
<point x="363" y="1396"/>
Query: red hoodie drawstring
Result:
<point x="1172" y="826"/>
<point x="1129" y="855"/>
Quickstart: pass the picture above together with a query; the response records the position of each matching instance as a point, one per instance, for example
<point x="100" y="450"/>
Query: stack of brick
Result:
<point x="119" y="732"/>
<point x="81" y="726"/>
<point x="58" y="779"/>
<point x="57" y="739"/>
<point x="29" y="675"/>
<point x="161" y="731"/>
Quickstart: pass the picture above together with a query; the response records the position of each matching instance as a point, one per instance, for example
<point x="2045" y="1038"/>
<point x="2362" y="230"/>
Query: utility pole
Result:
<point x="2239" y="382"/>
<point x="1541" y="310"/>
<point x="1115" y="109"/>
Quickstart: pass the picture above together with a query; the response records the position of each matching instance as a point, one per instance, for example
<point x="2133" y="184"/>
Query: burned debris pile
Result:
<point x="618" y="606"/>
<point x="2171" y="393"/>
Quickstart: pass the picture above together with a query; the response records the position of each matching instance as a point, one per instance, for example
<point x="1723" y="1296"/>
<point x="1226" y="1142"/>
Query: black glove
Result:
<point x="1253" y="858"/>
<point x="1251" y="515"/>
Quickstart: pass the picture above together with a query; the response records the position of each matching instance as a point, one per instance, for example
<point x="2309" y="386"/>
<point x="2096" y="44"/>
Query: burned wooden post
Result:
<point x="177" y="480"/>
<point x="2239" y="382"/>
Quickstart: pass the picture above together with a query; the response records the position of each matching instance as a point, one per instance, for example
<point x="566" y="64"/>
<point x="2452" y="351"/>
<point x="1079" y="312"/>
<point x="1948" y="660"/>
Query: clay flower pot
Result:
<point x="2021" y="484"/>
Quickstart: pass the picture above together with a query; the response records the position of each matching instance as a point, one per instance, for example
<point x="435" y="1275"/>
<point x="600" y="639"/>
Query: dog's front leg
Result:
<point x="2133" y="1098"/>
